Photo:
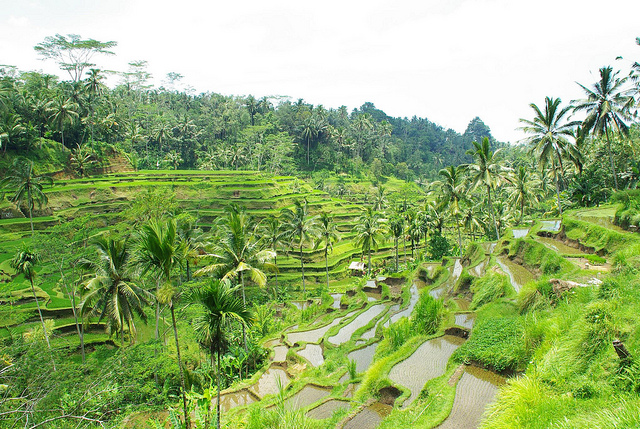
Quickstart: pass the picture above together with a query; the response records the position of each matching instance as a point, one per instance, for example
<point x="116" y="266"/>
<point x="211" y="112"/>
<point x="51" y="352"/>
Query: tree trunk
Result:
<point x="396" y="246"/>
<point x="44" y="329"/>
<point x="304" y="288"/>
<point x="275" y="260"/>
<point x="326" y="264"/>
<point x="459" y="238"/>
<point x="613" y="167"/>
<point x="369" y="262"/>
<point x="555" y="175"/>
<point x="493" y="217"/>
<point x="244" y="302"/>
<point x="72" y="298"/>
<point x="218" y="381"/>
<point x="29" y="204"/>
<point x="184" y="397"/>
<point x="157" y="332"/>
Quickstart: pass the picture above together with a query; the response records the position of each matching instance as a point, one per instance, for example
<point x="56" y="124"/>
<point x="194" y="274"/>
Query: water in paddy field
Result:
<point x="336" y="300"/>
<point x="314" y="335"/>
<point x="476" y="389"/>
<point x="363" y="357"/>
<point x="312" y="353"/>
<point x="326" y="410"/>
<point x="280" y="353"/>
<point x="235" y="399"/>
<point x="415" y="295"/>
<point x="268" y="383"/>
<point x="370" y="417"/>
<point x="465" y="320"/>
<point x="559" y="246"/>
<point x="520" y="233"/>
<point x="345" y="333"/>
<point x="518" y="275"/>
<point x="305" y="397"/>
<point x="550" y="225"/>
<point x="427" y="362"/>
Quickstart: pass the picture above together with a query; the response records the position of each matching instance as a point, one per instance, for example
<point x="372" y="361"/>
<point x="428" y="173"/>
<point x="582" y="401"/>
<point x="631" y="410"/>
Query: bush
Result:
<point x="438" y="246"/>
<point x="427" y="314"/>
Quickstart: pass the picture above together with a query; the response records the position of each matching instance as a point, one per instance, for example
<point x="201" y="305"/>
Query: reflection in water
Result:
<point x="518" y="275"/>
<point x="520" y="233"/>
<point x="363" y="357"/>
<point x="305" y="397"/>
<point x="345" y="333"/>
<point x="268" y="383"/>
<point x="326" y="410"/>
<point x="235" y="399"/>
<point x="312" y="353"/>
<point x="370" y="417"/>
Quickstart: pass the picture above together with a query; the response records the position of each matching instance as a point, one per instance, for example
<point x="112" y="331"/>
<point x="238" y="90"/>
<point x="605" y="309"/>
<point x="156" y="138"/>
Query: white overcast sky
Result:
<point x="448" y="61"/>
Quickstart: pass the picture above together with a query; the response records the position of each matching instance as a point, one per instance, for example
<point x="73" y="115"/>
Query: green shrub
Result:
<point x="427" y="314"/>
<point x="399" y="332"/>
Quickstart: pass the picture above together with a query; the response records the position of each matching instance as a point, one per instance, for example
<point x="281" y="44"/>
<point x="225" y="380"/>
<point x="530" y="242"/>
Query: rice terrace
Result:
<point x="179" y="260"/>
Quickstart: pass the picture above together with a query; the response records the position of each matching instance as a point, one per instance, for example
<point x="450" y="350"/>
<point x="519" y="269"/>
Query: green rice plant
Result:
<point x="428" y="314"/>
<point x="535" y="295"/>
<point x="489" y="288"/>
<point x="496" y="343"/>
<point x="398" y="333"/>
<point x="351" y="368"/>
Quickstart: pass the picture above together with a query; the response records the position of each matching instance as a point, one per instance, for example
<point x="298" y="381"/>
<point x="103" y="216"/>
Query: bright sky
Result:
<point x="447" y="60"/>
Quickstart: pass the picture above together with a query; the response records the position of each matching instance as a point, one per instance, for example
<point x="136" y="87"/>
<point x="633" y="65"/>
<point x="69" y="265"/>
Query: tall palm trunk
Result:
<point x="557" y="183"/>
<point x="493" y="217"/>
<point x="29" y="204"/>
<point x="326" y="264"/>
<point x="72" y="297"/>
<point x="218" y="381"/>
<point x="459" y="237"/>
<point x="244" y="302"/>
<point x="611" y="163"/>
<point x="369" y="261"/>
<point x="396" y="246"/>
<point x="184" y="397"/>
<point x="275" y="260"/>
<point x="304" y="288"/>
<point x="44" y="329"/>
<point x="157" y="332"/>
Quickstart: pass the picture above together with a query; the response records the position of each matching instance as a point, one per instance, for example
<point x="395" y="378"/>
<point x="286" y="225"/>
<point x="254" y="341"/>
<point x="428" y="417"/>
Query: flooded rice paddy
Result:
<point x="465" y="320"/>
<point x="280" y="353"/>
<point x="305" y="397"/>
<point x="550" y="225"/>
<point x="559" y="246"/>
<point x="518" y="275"/>
<point x="236" y="399"/>
<point x="520" y="233"/>
<point x="314" y="335"/>
<point x="326" y="409"/>
<point x="363" y="357"/>
<point x="313" y="354"/>
<point x="370" y="417"/>
<point x="427" y="362"/>
<point x="345" y="333"/>
<point x="270" y="382"/>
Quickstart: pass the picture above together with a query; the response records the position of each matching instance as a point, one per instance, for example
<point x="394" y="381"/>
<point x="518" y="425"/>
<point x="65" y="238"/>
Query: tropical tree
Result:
<point x="369" y="233"/>
<point x="62" y="110"/>
<point x="380" y="199"/>
<point x="161" y="250"/>
<point x="273" y="236"/>
<point x="27" y="187"/>
<point x="327" y="234"/>
<point x="219" y="309"/>
<point x="452" y="193"/>
<point x="111" y="291"/>
<point x="471" y="220"/>
<point x="548" y="138"/>
<point x="486" y="171"/>
<point x="524" y="190"/>
<point x="300" y="228"/>
<point x="396" y="228"/>
<point x="607" y="107"/>
<point x="11" y="129"/>
<point x="24" y="263"/>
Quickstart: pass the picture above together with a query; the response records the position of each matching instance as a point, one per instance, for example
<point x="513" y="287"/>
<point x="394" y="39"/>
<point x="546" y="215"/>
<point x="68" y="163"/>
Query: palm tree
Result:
<point x="24" y="262"/>
<point x="486" y="171"/>
<point x="452" y="193"/>
<point x="549" y="137"/>
<point x="607" y="106"/>
<point x="301" y="228"/>
<point x="470" y="220"/>
<point x="11" y="128"/>
<point x="111" y="291"/>
<point x="369" y="232"/>
<point x="28" y="188"/>
<point x="380" y="199"/>
<point x="328" y="234"/>
<point x="61" y="111"/>
<point x="219" y="309"/>
<point x="160" y="250"/>
<point x="524" y="190"/>
<point x="396" y="228"/>
<point x="273" y="235"/>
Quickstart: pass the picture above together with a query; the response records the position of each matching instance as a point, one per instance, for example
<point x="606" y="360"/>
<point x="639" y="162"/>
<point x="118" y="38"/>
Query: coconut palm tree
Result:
<point x="327" y="234"/>
<point x="219" y="309"/>
<point x="24" y="263"/>
<point x="61" y="111"/>
<point x="161" y="250"/>
<point x="486" y="171"/>
<point x="300" y="228"/>
<point x="452" y="193"/>
<point x="471" y="220"/>
<point x="273" y="236"/>
<point x="27" y="187"/>
<point x="380" y="199"/>
<point x="369" y="233"/>
<point x="111" y="290"/>
<point x="524" y="190"/>
<point x="396" y="228"/>
<point x="548" y="138"/>
<point x="607" y="107"/>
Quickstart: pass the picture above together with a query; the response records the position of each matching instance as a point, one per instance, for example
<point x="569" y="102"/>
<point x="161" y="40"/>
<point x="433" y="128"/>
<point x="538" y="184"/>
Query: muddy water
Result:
<point x="559" y="246"/>
<point x="478" y="270"/>
<point x="465" y="320"/>
<point x="550" y="225"/>
<point x="427" y="362"/>
<point x="457" y="270"/>
<point x="301" y="305"/>
<point x="370" y="417"/>
<point x="518" y="275"/>
<point x="373" y="296"/>
<point x="520" y="233"/>
<point x="314" y="335"/>
<point x="361" y="320"/>
<point x="363" y="357"/>
<point x="235" y="399"/>
<point x="326" y="410"/>
<point x="268" y="383"/>
<point x="413" y="300"/>
<point x="312" y="353"/>
<point x="336" y="300"/>
<point x="475" y="390"/>
<point x="280" y="353"/>
<point x="305" y="397"/>
<point x="371" y="284"/>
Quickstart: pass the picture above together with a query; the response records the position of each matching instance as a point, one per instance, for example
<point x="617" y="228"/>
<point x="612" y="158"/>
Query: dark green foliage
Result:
<point x="438" y="246"/>
<point x="496" y="343"/>
<point x="428" y="314"/>
<point x="537" y="256"/>
<point x="629" y="214"/>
